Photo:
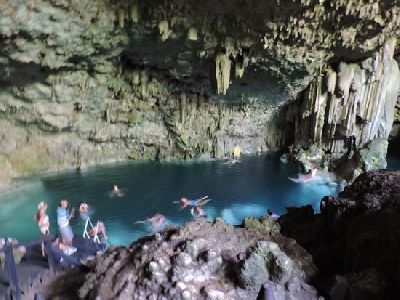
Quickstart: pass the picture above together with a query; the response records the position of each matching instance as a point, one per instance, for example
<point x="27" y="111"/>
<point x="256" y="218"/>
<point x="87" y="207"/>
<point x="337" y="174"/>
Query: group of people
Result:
<point x="64" y="228"/>
<point x="64" y="215"/>
<point x="66" y="234"/>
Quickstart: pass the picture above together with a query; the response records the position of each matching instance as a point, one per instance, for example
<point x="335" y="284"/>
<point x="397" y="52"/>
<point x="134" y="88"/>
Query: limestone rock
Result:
<point x="355" y="232"/>
<point x="198" y="261"/>
<point x="267" y="262"/>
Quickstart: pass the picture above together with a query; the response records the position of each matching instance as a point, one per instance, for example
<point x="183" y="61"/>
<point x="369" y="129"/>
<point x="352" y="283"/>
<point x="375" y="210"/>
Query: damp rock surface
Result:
<point x="355" y="235"/>
<point x="200" y="260"/>
<point x="92" y="82"/>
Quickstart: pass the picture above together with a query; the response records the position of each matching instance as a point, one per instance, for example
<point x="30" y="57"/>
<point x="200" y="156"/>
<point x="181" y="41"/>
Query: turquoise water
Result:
<point x="247" y="188"/>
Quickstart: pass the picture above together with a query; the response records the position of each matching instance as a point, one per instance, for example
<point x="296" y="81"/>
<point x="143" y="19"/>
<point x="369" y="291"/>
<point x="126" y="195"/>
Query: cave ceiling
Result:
<point x="236" y="50"/>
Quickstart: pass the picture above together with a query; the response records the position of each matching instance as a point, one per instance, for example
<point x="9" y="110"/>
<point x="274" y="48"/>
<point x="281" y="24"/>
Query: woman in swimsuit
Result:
<point x="43" y="222"/>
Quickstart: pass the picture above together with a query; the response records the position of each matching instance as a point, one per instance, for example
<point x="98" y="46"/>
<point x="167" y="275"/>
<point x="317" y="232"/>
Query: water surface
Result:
<point x="247" y="188"/>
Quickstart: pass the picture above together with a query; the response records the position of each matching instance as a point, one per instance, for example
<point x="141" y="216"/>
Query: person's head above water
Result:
<point x="83" y="206"/>
<point x="116" y="188"/>
<point x="269" y="211"/>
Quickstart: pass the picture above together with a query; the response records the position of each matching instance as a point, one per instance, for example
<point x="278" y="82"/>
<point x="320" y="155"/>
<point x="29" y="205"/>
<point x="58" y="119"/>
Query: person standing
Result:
<point x="43" y="222"/>
<point x="65" y="230"/>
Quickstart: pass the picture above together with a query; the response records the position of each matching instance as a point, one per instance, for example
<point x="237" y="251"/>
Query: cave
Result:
<point x="226" y="102"/>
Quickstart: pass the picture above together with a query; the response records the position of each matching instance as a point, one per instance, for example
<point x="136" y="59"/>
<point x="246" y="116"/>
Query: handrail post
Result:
<point x="11" y="268"/>
<point x="50" y="256"/>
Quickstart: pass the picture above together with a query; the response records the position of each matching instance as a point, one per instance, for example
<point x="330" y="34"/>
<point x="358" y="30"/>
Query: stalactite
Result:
<point x="192" y="34"/>
<point x="357" y="103"/>
<point x="222" y="72"/>
<point x="165" y="32"/>
<point x="121" y="18"/>
<point x="183" y="107"/>
<point x="134" y="12"/>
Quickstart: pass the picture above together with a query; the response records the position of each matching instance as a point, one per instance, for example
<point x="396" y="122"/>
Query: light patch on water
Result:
<point x="236" y="213"/>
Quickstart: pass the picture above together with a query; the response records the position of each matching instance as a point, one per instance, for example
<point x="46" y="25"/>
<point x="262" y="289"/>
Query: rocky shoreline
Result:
<point x="348" y="251"/>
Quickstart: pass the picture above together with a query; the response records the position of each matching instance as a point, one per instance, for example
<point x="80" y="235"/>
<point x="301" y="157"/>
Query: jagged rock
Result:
<point x="367" y="284"/>
<point x="198" y="261"/>
<point x="356" y="231"/>
<point x="265" y="223"/>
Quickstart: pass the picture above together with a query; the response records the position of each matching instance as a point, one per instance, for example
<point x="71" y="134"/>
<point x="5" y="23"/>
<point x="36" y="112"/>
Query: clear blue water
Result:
<point x="238" y="190"/>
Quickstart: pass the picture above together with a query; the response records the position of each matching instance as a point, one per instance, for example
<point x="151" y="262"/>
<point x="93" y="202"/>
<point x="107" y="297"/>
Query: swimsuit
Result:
<point x="193" y="202"/>
<point x="45" y="224"/>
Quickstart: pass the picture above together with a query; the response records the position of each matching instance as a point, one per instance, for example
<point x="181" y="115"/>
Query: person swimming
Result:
<point x="156" y="221"/>
<point x="184" y="202"/>
<point x="303" y="178"/>
<point x="84" y="211"/>
<point x="116" y="192"/>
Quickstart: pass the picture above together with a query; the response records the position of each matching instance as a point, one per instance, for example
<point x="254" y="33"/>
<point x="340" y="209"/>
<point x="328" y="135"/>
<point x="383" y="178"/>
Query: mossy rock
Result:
<point x="219" y="223"/>
<point x="144" y="152"/>
<point x="29" y="160"/>
<point x="266" y="262"/>
<point x="265" y="223"/>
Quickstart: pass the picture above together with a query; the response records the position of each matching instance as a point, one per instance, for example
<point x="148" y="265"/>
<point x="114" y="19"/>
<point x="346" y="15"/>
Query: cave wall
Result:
<point x="89" y="82"/>
<point x="74" y="120"/>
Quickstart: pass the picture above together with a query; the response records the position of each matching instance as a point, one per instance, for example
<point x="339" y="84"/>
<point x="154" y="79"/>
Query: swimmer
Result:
<point x="156" y="221"/>
<point x="84" y="211"/>
<point x="272" y="214"/>
<point x="116" y="192"/>
<point x="83" y="207"/>
<point x="307" y="177"/>
<point x="184" y="202"/>
<point x="230" y="160"/>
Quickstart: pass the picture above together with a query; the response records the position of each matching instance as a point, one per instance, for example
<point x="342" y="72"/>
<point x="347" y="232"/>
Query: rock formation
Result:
<point x="88" y="82"/>
<point x="198" y="261"/>
<point x="345" y="109"/>
<point x="355" y="240"/>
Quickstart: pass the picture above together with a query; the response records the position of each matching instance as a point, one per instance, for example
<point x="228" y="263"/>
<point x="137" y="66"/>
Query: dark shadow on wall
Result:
<point x="19" y="74"/>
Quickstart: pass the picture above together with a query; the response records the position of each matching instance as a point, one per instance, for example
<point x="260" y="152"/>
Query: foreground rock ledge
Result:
<point x="201" y="260"/>
<point x="355" y="241"/>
